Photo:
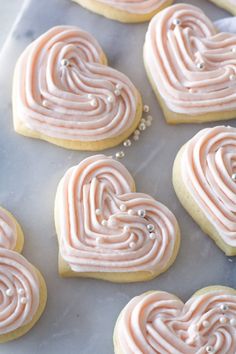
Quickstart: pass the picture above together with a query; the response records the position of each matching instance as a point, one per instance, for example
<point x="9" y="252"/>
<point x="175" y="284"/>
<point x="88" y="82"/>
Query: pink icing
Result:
<point x="122" y="243"/>
<point x="159" y="323"/>
<point x="8" y="231"/>
<point x="207" y="165"/>
<point x="78" y="101"/>
<point x="136" y="6"/>
<point x="173" y="53"/>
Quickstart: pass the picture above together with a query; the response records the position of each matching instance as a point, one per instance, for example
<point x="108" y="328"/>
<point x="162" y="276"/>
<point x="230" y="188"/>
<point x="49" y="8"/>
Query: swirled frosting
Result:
<point x="8" y="231"/>
<point x="191" y="65"/>
<point x="136" y="6"/>
<point x="104" y="226"/>
<point x="64" y="89"/>
<point x="158" y="322"/>
<point x="208" y="163"/>
<point x="19" y="291"/>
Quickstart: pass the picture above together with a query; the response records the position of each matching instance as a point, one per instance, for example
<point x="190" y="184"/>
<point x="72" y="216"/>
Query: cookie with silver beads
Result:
<point x="22" y="287"/>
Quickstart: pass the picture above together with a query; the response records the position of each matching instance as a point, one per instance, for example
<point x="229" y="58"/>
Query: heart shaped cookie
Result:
<point x="23" y="291"/>
<point x="229" y="5"/>
<point x="204" y="178"/>
<point x="64" y="92"/>
<point x="126" y="10"/>
<point x="191" y="67"/>
<point x="159" y="323"/>
<point x="106" y="230"/>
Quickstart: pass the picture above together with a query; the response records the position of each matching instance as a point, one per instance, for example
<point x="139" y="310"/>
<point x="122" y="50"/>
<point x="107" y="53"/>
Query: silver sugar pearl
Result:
<point x="223" y="320"/>
<point x="120" y="154"/>
<point x="234" y="49"/>
<point x="136" y="137"/>
<point x="127" y="143"/>
<point x="119" y="86"/>
<point x="93" y="102"/>
<point x="123" y="207"/>
<point x="176" y="21"/>
<point x="141" y="213"/>
<point x="65" y="62"/>
<point x="209" y="349"/>
<point x="110" y="99"/>
<point x="146" y="108"/>
<point x="9" y="292"/>
<point x="224" y="307"/>
<point x="21" y="291"/>
<point x="150" y="227"/>
<point x="152" y="236"/>
<point x="136" y="132"/>
<point x="232" y="77"/>
<point x="142" y="126"/>
<point x="23" y="300"/>
<point x="131" y="212"/>
<point x="200" y="65"/>
<point x="104" y="222"/>
<point x="98" y="212"/>
<point x="117" y="92"/>
<point x="234" y="177"/>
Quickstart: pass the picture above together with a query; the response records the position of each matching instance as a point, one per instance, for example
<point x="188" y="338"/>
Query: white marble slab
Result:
<point x="81" y="314"/>
<point x="8" y="13"/>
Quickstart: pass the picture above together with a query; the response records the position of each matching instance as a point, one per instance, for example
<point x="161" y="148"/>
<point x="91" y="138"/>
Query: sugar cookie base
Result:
<point x="43" y="289"/>
<point x="116" y="277"/>
<point x="209" y="289"/>
<point x="21" y="128"/>
<point x="117" y="14"/>
<point x="194" y="210"/>
<point x="42" y="303"/>
<point x="224" y="4"/>
<point x="177" y="118"/>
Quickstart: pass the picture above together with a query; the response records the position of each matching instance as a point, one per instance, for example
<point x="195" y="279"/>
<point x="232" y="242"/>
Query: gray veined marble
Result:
<point x="80" y="314"/>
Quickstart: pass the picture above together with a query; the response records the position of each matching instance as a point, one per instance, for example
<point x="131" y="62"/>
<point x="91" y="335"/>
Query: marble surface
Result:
<point x="8" y="12"/>
<point x="81" y="313"/>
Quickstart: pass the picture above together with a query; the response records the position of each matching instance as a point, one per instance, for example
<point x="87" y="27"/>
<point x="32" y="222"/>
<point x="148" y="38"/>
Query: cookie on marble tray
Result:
<point x="108" y="231"/>
<point x="65" y="93"/>
<point x="191" y="67"/>
<point x="23" y="290"/>
<point x="204" y="178"/>
<point x="126" y="10"/>
<point x="159" y="322"/>
<point x="229" y="5"/>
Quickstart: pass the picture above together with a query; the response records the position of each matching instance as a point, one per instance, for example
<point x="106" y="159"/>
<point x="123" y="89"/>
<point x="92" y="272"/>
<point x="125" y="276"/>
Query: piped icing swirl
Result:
<point x="63" y="89"/>
<point x="208" y="165"/>
<point x="8" y="231"/>
<point x="19" y="284"/>
<point x="191" y="65"/>
<point x="104" y="226"/>
<point x="136" y="6"/>
<point x="159" y="322"/>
